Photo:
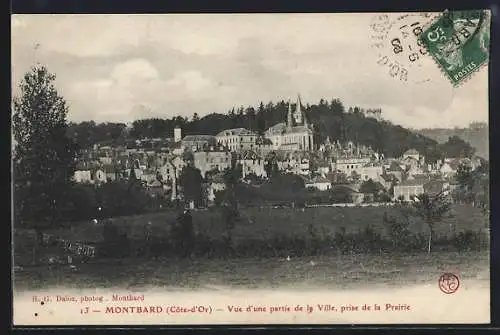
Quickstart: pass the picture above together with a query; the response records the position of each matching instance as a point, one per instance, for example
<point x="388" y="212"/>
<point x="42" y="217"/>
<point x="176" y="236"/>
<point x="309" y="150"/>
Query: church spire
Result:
<point x="289" y="122"/>
<point x="298" y="114"/>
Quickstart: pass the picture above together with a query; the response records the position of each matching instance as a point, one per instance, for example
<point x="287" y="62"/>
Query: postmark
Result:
<point x="459" y="42"/>
<point x="448" y="283"/>
<point x="399" y="49"/>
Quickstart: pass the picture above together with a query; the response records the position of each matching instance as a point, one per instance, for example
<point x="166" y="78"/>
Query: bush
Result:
<point x="115" y="243"/>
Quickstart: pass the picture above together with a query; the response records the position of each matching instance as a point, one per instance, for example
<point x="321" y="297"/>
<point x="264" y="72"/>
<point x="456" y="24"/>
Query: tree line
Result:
<point x="329" y="119"/>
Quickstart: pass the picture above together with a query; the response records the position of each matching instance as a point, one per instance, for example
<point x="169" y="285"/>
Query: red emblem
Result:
<point x="448" y="283"/>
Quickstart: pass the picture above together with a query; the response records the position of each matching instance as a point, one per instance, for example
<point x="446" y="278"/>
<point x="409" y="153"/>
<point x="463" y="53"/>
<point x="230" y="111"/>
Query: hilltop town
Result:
<point x="289" y="147"/>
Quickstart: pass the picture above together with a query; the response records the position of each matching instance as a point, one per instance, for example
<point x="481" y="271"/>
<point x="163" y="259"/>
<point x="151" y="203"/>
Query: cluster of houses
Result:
<point x="159" y="162"/>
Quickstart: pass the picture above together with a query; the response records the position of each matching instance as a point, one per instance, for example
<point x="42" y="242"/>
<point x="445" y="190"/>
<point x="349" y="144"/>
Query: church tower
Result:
<point x="297" y="115"/>
<point x="289" y="120"/>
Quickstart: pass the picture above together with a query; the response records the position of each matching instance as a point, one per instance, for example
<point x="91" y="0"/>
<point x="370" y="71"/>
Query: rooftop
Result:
<point x="198" y="138"/>
<point x="411" y="152"/>
<point x="236" y="132"/>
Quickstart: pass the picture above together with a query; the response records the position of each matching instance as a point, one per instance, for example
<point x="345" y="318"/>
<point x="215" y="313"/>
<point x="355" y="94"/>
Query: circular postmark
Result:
<point x="400" y="51"/>
<point x="448" y="283"/>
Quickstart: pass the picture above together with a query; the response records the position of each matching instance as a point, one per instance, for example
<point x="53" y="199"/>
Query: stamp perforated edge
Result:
<point x="446" y="74"/>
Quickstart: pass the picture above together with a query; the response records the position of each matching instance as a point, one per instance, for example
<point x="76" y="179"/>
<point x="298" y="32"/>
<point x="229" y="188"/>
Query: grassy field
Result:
<point x="342" y="272"/>
<point x="263" y="223"/>
<point x="260" y="223"/>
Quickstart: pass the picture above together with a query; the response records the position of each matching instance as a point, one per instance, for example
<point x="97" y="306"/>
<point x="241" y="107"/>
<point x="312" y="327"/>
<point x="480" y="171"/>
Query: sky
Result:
<point x="120" y="68"/>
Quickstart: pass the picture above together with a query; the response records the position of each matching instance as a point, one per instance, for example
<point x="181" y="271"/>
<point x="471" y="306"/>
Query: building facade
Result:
<point x="296" y="134"/>
<point x="237" y="139"/>
<point x="408" y="189"/>
<point x="211" y="161"/>
<point x="198" y="142"/>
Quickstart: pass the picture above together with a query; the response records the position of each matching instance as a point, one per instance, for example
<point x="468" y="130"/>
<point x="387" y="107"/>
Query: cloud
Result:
<point x="121" y="67"/>
<point x="134" y="70"/>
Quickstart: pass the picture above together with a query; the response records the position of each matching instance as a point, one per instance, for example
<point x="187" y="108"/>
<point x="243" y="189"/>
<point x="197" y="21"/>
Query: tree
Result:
<point x="183" y="234"/>
<point x="132" y="175"/>
<point x="233" y="175"/>
<point x="271" y="166"/>
<point x="464" y="175"/>
<point x="356" y="177"/>
<point x="369" y="186"/>
<point x="231" y="215"/>
<point x="44" y="157"/>
<point x="397" y="227"/>
<point x="191" y="182"/>
<point x="456" y="147"/>
<point x="431" y="209"/>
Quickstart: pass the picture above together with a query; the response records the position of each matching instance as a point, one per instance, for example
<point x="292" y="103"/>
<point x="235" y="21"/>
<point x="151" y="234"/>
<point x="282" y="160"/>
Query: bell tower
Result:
<point x="298" y="115"/>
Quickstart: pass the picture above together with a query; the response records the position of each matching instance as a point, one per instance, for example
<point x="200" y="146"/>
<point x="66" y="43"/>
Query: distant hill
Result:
<point x="476" y="134"/>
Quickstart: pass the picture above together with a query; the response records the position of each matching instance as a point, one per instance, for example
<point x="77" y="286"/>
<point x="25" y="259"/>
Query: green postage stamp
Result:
<point x="459" y="42"/>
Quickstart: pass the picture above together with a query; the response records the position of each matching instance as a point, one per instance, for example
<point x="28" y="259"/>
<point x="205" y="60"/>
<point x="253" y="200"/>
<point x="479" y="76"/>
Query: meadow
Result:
<point x="267" y="222"/>
<point x="256" y="227"/>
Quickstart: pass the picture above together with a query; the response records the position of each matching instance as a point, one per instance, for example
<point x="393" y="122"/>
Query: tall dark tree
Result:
<point x="132" y="177"/>
<point x="44" y="157"/>
<point x="261" y="119"/>
<point x="191" y="182"/>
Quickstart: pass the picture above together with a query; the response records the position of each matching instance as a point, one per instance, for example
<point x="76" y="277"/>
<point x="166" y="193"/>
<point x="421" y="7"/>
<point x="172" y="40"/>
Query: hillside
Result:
<point x="330" y="119"/>
<point x="476" y="136"/>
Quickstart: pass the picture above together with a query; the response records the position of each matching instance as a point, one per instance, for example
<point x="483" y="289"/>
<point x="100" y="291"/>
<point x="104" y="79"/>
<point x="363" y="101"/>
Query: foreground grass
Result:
<point x="264" y="223"/>
<point x="340" y="272"/>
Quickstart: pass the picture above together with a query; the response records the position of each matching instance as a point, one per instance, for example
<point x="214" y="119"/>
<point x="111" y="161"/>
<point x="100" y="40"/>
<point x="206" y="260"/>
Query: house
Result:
<point x="211" y="161"/>
<point x="371" y="171"/>
<point x="100" y="176"/>
<point x="319" y="182"/>
<point x="264" y="146"/>
<point x="82" y="176"/>
<point x="111" y="172"/>
<point x="199" y="142"/>
<point x="447" y="169"/>
<point x="251" y="163"/>
<point x="386" y="180"/>
<point x="396" y="171"/>
<point x="138" y="173"/>
<point x="408" y="189"/>
<point x="323" y="168"/>
<point x="148" y="176"/>
<point x="411" y="154"/>
<point x="168" y="171"/>
<point x="348" y="165"/>
<point x="214" y="185"/>
<point x="237" y="139"/>
<point x="106" y="160"/>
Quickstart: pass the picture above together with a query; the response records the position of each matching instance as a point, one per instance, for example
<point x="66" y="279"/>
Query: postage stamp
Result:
<point x="459" y="42"/>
